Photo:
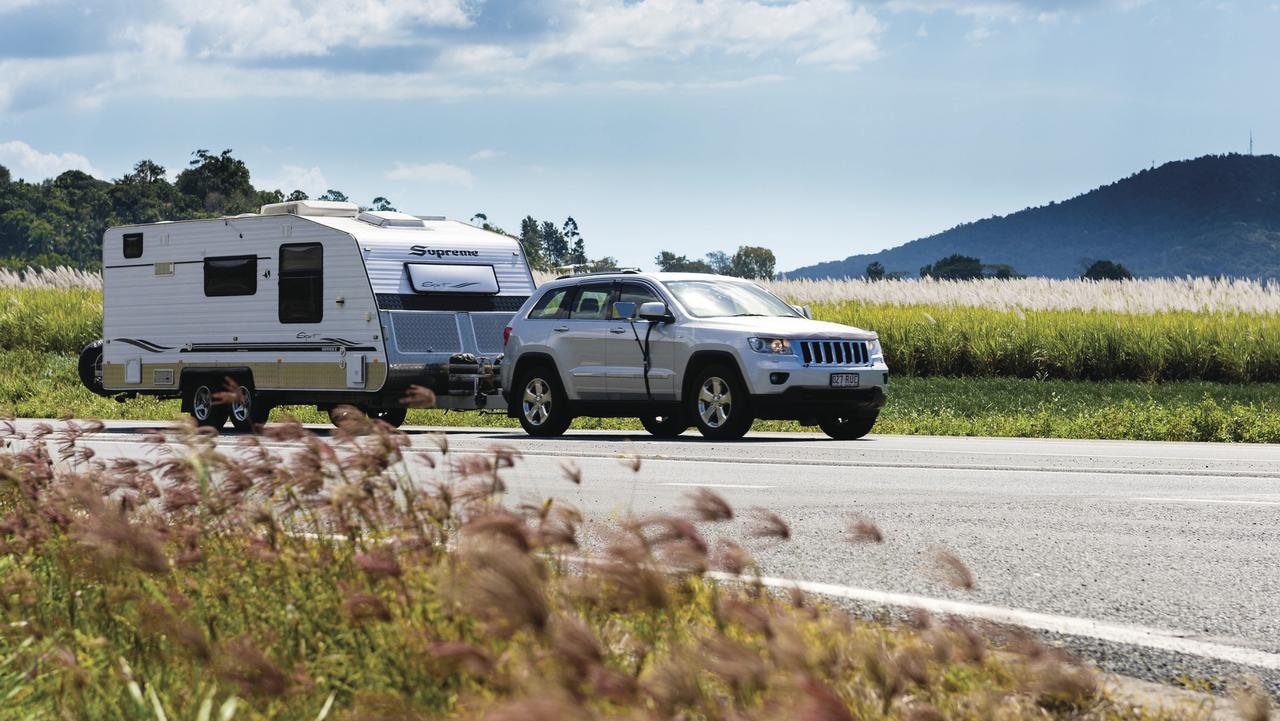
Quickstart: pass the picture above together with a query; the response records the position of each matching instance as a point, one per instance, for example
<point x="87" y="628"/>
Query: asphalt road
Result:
<point x="1178" y="541"/>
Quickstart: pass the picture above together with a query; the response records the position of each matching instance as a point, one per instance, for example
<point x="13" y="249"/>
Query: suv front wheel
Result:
<point x="544" y="408"/>
<point x="719" y="404"/>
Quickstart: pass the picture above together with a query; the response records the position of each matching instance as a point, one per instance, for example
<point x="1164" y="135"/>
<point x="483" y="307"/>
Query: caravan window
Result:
<point x="301" y="283"/>
<point x="231" y="275"/>
<point x="133" y="245"/>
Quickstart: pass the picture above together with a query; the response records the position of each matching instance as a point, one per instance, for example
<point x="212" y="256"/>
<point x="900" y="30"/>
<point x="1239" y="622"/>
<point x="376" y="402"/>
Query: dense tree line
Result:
<point x="748" y="261"/>
<point x="60" y="221"/>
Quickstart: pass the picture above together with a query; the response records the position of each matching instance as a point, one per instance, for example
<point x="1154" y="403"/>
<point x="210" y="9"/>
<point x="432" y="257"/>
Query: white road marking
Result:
<point x="715" y="485"/>
<point x="1164" y="640"/>
<point x="1205" y="500"/>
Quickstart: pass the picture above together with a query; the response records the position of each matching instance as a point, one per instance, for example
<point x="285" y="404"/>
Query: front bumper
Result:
<point x="806" y="391"/>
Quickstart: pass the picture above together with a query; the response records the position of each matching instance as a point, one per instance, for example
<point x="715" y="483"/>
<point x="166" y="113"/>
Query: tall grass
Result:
<point x="1144" y="296"/>
<point x="293" y="577"/>
<point x="1070" y="344"/>
<point x="60" y="277"/>
<point x="61" y="320"/>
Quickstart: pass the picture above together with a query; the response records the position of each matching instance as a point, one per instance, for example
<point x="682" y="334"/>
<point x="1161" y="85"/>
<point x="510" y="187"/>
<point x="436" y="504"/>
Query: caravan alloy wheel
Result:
<point x="244" y="412"/>
<point x="204" y="408"/>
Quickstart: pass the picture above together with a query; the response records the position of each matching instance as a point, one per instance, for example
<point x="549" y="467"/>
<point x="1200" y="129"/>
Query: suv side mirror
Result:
<point x="624" y="310"/>
<point x="803" y="310"/>
<point x="656" y="311"/>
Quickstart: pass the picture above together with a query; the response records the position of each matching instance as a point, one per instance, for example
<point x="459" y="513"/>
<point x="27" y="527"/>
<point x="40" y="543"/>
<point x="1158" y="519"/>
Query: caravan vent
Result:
<point x="390" y="219"/>
<point x="327" y="208"/>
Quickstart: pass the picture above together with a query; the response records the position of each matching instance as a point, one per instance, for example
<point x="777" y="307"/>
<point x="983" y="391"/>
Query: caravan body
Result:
<point x="309" y="302"/>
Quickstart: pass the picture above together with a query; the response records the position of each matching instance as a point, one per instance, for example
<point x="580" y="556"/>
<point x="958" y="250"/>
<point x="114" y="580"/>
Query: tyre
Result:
<point x="207" y="412"/>
<point x="720" y="405"/>
<point x="848" y="425"/>
<point x="544" y="407"/>
<point x="665" y="426"/>
<point x="90" y="367"/>
<point x="393" y="417"/>
<point x="249" y="410"/>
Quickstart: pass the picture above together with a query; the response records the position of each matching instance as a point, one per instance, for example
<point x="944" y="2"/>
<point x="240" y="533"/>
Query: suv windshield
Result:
<point x="723" y="298"/>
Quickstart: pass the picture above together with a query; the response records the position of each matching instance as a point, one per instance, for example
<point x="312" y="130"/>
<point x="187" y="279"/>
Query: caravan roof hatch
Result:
<point x="328" y="208"/>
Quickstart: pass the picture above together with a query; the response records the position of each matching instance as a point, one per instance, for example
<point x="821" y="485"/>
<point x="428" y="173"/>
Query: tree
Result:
<point x="297" y="195"/>
<point x="953" y="267"/>
<point x="381" y="204"/>
<point x="669" y="262"/>
<point x="875" y="270"/>
<point x="219" y="183"/>
<point x="720" y="262"/>
<point x="554" y="247"/>
<point x="753" y="262"/>
<point x="1106" y="270"/>
<point x="145" y="171"/>
<point x="578" y="248"/>
<point x="336" y="196"/>
<point x="5" y="177"/>
<point x="600" y="265"/>
<point x="484" y="219"/>
<point x="531" y="242"/>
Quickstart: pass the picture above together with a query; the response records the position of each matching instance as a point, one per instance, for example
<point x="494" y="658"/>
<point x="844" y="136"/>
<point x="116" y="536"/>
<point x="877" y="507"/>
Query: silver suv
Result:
<point x="681" y="349"/>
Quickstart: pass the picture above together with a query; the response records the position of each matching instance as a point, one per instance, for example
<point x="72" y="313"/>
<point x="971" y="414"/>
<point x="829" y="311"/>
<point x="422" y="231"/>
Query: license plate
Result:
<point x="844" y="380"/>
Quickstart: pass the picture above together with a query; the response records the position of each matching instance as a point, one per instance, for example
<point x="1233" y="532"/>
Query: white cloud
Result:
<point x="282" y="28"/>
<point x="11" y="5"/>
<point x="30" y="164"/>
<point x="296" y="177"/>
<point x="436" y="173"/>
<point x="485" y="154"/>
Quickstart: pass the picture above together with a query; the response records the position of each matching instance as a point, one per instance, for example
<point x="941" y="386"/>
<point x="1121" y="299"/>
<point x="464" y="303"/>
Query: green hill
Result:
<point x="1218" y="215"/>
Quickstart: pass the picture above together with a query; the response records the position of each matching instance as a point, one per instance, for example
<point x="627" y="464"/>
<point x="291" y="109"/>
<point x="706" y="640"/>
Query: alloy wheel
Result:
<point x="537" y="401"/>
<point x="715" y="402"/>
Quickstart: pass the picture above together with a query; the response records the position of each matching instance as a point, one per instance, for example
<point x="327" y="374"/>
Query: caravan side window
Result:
<point x="301" y="283"/>
<point x="231" y="275"/>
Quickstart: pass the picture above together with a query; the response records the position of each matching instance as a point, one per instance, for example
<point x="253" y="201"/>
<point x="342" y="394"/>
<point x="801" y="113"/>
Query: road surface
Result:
<point x="1155" y="559"/>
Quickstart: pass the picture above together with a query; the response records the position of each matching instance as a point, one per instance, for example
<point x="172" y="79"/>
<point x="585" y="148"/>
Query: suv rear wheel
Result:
<point x="719" y="404"/>
<point x="544" y="408"/>
<point x="848" y="425"/>
<point x="665" y="426"/>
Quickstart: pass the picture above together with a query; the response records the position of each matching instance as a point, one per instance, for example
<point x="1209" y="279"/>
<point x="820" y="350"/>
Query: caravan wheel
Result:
<point x="249" y="410"/>
<point x="204" y="408"/>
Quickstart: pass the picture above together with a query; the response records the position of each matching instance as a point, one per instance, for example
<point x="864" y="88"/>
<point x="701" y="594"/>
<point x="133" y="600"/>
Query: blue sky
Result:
<point x="818" y="128"/>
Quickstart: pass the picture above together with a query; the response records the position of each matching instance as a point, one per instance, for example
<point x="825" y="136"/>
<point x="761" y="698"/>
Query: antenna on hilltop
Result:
<point x="1251" y="142"/>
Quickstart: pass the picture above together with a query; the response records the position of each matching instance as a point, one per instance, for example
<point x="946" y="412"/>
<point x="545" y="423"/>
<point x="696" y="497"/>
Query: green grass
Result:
<point x="34" y="384"/>
<point x="323" y="586"/>
<point x="918" y="340"/>
<point x="1070" y="344"/>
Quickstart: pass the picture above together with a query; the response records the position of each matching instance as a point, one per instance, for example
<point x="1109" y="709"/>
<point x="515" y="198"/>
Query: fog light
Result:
<point x="778" y="378"/>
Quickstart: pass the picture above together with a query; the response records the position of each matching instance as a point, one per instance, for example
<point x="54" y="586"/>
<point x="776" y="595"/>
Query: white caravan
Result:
<point x="306" y="302"/>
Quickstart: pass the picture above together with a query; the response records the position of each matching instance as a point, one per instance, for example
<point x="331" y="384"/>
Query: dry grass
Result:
<point x="1144" y="296"/>
<point x="333" y="582"/>
<point x="60" y="278"/>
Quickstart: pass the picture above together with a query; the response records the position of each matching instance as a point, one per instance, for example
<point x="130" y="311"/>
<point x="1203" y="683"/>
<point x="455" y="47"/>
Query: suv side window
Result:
<point x="553" y="305"/>
<point x="591" y="301"/>
<point x="637" y="293"/>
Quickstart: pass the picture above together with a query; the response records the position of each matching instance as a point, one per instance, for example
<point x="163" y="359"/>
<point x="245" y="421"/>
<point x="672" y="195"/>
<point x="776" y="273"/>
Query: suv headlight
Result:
<point x="877" y="353"/>
<point x="781" y="346"/>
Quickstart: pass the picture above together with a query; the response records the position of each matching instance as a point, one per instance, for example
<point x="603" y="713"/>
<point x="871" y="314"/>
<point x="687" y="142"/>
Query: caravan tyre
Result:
<point x="249" y="410"/>
<point x="393" y="417"/>
<point x="544" y="408"/>
<point x="90" y="367"/>
<point x="204" y="407"/>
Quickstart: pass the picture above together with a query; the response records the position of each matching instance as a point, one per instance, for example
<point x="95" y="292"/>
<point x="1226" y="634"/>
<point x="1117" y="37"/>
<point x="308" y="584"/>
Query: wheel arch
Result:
<point x="700" y="360"/>
<point x="216" y="377"/>
<point x="523" y="364"/>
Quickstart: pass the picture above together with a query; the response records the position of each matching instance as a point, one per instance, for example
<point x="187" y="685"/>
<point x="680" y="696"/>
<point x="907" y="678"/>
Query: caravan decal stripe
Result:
<point x="274" y="347"/>
<point x="461" y="303"/>
<point x="143" y="344"/>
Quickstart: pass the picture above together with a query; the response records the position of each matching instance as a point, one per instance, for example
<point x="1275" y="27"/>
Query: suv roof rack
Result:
<point x="620" y="271"/>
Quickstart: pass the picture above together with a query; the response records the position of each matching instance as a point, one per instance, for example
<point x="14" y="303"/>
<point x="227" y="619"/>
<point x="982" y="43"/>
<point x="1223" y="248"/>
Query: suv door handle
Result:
<point x="617" y="330"/>
<point x="560" y="328"/>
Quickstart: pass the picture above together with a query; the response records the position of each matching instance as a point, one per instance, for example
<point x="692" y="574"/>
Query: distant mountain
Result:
<point x="1213" y="216"/>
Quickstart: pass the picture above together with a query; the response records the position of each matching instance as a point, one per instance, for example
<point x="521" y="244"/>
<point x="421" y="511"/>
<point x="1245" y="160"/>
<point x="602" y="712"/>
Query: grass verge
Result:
<point x="44" y="385"/>
<point x="335" y="584"/>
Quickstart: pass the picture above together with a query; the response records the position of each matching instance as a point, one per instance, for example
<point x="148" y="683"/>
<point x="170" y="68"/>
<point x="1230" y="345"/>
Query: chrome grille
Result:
<point x="834" y="352"/>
